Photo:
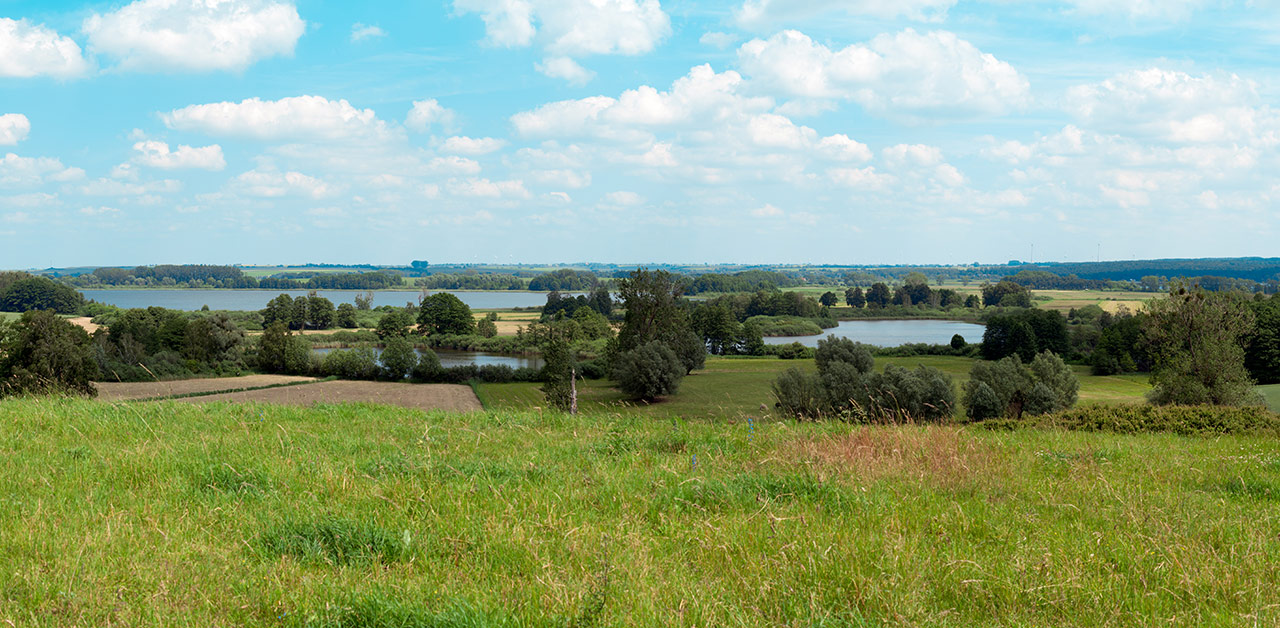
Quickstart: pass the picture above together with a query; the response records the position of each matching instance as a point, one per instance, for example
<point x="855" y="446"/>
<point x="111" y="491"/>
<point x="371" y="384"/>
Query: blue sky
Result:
<point x="748" y="131"/>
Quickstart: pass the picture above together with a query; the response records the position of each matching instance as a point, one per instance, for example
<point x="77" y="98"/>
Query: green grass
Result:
<point x="1271" y="393"/>
<point x="735" y="388"/>
<point x="9" y="316"/>
<point x="358" y="515"/>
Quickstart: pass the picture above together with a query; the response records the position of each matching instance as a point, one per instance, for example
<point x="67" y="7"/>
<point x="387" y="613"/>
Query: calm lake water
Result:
<point x="450" y="358"/>
<point x="891" y="333"/>
<point x="257" y="299"/>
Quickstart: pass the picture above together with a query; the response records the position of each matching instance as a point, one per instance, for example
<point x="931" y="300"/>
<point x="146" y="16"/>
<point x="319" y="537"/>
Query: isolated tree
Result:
<point x="557" y="373"/>
<point x="486" y="327"/>
<point x="828" y="299"/>
<point x="1196" y="341"/>
<point x="649" y="371"/>
<point x="42" y="353"/>
<point x="652" y="302"/>
<point x="444" y="313"/>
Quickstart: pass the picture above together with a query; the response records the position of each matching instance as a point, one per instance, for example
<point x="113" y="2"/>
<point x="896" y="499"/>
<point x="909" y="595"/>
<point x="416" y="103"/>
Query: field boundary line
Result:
<point x="207" y="393"/>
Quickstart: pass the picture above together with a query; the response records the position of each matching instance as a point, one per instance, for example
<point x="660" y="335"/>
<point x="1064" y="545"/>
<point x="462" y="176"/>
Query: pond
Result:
<point x="891" y="333"/>
<point x="257" y="299"/>
<point x="450" y="358"/>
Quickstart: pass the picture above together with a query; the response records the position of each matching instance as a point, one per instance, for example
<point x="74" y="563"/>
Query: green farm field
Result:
<point x="164" y="514"/>
<point x="736" y="388"/>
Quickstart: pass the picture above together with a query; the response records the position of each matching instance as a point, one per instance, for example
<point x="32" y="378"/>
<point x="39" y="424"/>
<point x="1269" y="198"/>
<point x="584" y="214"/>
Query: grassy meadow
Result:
<point x="735" y="388"/>
<point x="353" y="515"/>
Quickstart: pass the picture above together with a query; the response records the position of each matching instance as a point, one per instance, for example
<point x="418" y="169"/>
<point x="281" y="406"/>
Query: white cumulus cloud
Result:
<point x="303" y="118"/>
<point x="29" y="171"/>
<point x="565" y="68"/>
<point x="765" y="13"/>
<point x="271" y="184"/>
<point x="1177" y="107"/>
<point x="195" y="35"/>
<point x="158" y="155"/>
<point x="14" y="128"/>
<point x="28" y="50"/>
<point x="462" y="145"/>
<point x="428" y="113"/>
<point x="908" y="74"/>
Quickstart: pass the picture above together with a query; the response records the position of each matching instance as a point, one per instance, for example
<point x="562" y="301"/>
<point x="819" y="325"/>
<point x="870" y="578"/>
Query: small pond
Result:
<point x="450" y="358"/>
<point x="891" y="333"/>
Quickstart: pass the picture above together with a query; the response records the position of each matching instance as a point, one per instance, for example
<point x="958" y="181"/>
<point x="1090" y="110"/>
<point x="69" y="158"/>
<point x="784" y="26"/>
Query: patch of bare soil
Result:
<point x="85" y="322"/>
<point x="451" y="397"/>
<point x="125" y="391"/>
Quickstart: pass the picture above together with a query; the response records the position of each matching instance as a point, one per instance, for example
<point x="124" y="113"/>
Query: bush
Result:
<point x="799" y="396"/>
<point x="398" y="358"/>
<point x="428" y="367"/>
<point x="649" y="371"/>
<point x="1008" y="388"/>
<point x="793" y="351"/>
<point x="41" y="353"/>
<point x="1183" y="420"/>
<point x="832" y="349"/>
<point x="359" y="363"/>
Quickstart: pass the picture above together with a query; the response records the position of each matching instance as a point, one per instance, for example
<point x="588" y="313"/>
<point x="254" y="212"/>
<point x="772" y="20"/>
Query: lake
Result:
<point x="257" y="299"/>
<point x="891" y="333"/>
<point x="450" y="358"/>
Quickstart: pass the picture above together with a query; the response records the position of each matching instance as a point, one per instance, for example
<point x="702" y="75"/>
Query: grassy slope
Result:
<point x="1271" y="393"/>
<point x="732" y="388"/>
<point x="162" y="514"/>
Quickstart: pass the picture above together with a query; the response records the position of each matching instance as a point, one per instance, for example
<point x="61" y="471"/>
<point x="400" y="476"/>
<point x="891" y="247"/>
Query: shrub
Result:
<point x="398" y="358"/>
<point x="799" y="396"/>
<point x="793" y="351"/>
<point x="359" y="363"/>
<point x="1184" y="420"/>
<point x="428" y="367"/>
<point x="41" y="353"/>
<point x="649" y="371"/>
<point x="833" y="349"/>
<point x="1009" y="388"/>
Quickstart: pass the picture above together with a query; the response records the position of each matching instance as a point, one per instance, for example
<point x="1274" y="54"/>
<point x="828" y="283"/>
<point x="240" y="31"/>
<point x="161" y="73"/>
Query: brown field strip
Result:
<point x="451" y="397"/>
<point x="126" y="391"/>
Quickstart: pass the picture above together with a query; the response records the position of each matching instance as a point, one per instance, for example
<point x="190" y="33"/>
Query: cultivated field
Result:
<point x="449" y="397"/>
<point x="162" y="514"/>
<point x="125" y="391"/>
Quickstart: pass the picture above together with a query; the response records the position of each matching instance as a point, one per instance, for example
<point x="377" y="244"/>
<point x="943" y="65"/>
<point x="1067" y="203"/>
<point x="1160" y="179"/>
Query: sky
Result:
<point x="636" y="131"/>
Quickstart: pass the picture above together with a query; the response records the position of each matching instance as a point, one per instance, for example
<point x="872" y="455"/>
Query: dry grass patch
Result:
<point x="450" y="397"/>
<point x="132" y="391"/>
<point x="947" y="455"/>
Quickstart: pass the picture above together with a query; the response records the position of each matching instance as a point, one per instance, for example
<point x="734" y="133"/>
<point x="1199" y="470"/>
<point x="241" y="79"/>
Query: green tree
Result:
<point x="398" y="358"/>
<point x="1010" y="388"/>
<point x="486" y="327"/>
<point x="828" y="299"/>
<point x="1005" y="294"/>
<point x="320" y="312"/>
<point x="879" y="296"/>
<point x="557" y="373"/>
<point x="653" y="311"/>
<point x="40" y="293"/>
<point x="280" y="309"/>
<point x="271" y="347"/>
<point x="394" y="323"/>
<point x="444" y="313"/>
<point x="41" y="353"/>
<point x="345" y="316"/>
<point x="854" y="298"/>
<point x="1196" y="340"/>
<point x="649" y="371"/>
<point x="1262" y="346"/>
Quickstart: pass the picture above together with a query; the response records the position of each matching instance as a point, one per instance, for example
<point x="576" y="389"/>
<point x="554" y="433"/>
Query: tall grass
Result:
<point x="163" y="514"/>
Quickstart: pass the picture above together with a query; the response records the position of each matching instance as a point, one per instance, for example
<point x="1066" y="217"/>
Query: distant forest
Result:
<point x="1247" y="274"/>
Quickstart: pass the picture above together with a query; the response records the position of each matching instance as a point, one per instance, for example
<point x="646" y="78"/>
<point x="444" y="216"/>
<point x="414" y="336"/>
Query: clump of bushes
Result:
<point x="848" y="388"/>
<point x="649" y="371"/>
<point x="1009" y="388"/>
<point x="1200" y="420"/>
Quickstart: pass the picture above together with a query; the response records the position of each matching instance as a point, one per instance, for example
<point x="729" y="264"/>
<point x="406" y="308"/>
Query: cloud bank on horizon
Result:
<point x="753" y="131"/>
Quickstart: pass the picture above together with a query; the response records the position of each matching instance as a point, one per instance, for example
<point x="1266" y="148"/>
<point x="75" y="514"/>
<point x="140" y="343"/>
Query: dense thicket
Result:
<point x="41" y="353"/>
<point x="848" y="388"/>
<point x="1009" y="388"/>
<point x="151" y="343"/>
<point x="21" y="292"/>
<point x="1025" y="333"/>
